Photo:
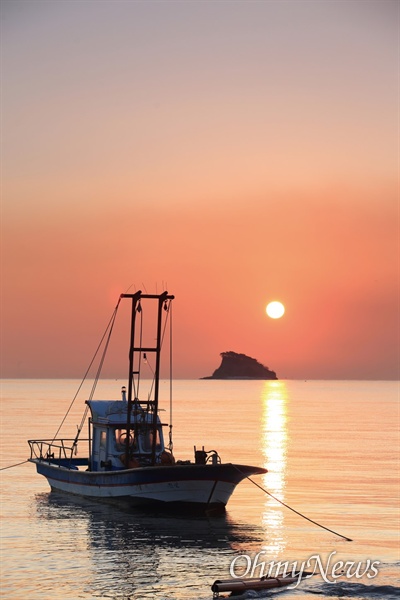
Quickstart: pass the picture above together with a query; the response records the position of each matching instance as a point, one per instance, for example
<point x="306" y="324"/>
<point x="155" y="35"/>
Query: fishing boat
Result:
<point x="125" y="458"/>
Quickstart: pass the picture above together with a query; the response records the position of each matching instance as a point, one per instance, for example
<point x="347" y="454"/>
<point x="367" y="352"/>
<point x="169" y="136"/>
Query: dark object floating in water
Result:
<point x="240" y="366"/>
<point x="240" y="586"/>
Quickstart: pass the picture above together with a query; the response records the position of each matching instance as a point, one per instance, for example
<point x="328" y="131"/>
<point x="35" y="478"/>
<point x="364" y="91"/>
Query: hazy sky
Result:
<point x="234" y="152"/>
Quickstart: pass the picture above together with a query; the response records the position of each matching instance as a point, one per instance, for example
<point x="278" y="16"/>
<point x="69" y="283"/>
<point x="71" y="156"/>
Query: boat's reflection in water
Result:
<point x="275" y="440"/>
<point x="134" y="551"/>
<point x="135" y="554"/>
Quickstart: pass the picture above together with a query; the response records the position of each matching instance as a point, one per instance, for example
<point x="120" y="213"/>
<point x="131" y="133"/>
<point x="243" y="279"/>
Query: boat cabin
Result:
<point x="115" y="445"/>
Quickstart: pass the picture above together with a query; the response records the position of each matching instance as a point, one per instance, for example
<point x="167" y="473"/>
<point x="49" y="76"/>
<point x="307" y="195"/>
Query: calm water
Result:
<point x="332" y="450"/>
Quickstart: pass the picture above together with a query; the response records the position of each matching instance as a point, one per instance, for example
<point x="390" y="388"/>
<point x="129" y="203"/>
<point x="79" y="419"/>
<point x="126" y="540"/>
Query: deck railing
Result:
<point x="54" y="451"/>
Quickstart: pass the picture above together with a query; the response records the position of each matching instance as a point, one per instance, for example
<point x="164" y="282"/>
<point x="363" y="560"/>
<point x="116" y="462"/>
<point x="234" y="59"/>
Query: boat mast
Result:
<point x="136" y="298"/>
<point x="161" y="300"/>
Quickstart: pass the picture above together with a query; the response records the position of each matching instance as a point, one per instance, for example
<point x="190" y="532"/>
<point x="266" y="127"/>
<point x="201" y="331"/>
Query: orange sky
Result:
<point x="241" y="152"/>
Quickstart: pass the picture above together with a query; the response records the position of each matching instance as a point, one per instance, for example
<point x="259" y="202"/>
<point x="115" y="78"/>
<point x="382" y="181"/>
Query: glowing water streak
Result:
<point x="275" y="439"/>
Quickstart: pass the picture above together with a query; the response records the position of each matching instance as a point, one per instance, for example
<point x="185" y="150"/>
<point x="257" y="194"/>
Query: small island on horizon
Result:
<point x="240" y="366"/>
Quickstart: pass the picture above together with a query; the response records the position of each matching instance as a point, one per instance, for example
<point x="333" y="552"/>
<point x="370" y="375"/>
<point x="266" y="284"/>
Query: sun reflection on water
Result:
<point x="274" y="447"/>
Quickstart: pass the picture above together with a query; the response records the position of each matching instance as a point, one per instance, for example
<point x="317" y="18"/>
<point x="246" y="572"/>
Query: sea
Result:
<point x="329" y="503"/>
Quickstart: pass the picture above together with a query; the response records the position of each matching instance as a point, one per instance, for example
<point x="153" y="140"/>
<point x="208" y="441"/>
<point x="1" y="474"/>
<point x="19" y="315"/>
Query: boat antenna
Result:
<point x="127" y="290"/>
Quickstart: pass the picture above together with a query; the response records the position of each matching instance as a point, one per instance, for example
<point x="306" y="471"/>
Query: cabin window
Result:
<point x="120" y="439"/>
<point x="103" y="439"/>
<point x="147" y="441"/>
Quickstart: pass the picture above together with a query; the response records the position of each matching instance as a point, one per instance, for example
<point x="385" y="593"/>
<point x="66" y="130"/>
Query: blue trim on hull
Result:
<point x="228" y="473"/>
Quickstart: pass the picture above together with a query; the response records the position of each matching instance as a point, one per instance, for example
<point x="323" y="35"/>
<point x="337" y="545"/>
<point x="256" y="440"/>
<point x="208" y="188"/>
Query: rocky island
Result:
<point x="240" y="366"/>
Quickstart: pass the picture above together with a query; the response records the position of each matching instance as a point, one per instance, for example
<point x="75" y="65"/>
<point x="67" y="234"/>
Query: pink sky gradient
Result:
<point x="233" y="152"/>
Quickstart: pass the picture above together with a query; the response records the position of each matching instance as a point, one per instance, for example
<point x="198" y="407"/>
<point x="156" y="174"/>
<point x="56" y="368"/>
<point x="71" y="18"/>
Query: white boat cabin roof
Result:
<point x="115" y="412"/>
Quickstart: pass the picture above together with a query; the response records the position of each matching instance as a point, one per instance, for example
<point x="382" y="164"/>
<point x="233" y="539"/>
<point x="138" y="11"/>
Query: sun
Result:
<point x="275" y="309"/>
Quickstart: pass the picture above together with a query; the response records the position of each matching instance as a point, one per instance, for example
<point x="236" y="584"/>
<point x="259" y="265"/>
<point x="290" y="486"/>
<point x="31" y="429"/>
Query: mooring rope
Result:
<point x="16" y="465"/>
<point x="294" y="510"/>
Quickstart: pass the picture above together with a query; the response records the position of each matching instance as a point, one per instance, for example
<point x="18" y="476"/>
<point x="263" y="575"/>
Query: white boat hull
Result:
<point x="184" y="492"/>
<point x="207" y="486"/>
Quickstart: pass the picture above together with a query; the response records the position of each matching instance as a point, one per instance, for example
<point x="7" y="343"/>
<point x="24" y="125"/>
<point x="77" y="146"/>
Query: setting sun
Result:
<point x="275" y="310"/>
